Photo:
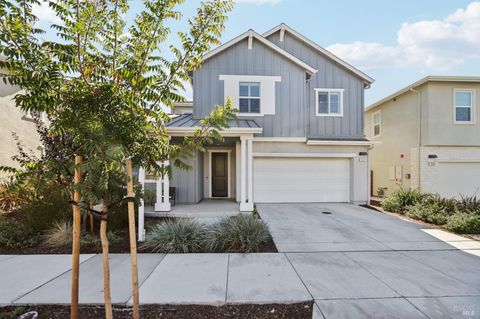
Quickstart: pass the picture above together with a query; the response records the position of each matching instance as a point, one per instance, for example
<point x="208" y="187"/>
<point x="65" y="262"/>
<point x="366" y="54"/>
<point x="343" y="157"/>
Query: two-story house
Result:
<point x="299" y="133"/>
<point x="430" y="137"/>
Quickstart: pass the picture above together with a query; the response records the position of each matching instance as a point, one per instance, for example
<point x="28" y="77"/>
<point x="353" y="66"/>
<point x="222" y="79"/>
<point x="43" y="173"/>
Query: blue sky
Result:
<point x="395" y="42"/>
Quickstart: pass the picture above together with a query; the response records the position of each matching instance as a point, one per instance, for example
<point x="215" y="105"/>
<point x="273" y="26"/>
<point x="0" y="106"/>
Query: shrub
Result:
<point x="42" y="211"/>
<point x="90" y="240"/>
<point x="60" y="234"/>
<point x="176" y="236"/>
<point x="469" y="204"/>
<point x="464" y="223"/>
<point x="428" y="213"/>
<point x="400" y="199"/>
<point x="14" y="234"/>
<point x="242" y="233"/>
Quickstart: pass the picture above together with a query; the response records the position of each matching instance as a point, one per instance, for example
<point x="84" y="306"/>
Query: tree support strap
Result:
<point x="99" y="214"/>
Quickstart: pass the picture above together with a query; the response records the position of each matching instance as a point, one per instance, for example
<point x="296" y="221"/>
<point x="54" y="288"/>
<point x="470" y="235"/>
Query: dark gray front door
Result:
<point x="219" y="174"/>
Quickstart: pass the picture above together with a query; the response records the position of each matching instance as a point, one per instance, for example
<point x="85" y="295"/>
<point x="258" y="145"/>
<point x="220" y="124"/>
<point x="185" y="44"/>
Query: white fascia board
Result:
<point x="254" y="35"/>
<point x="342" y="143"/>
<point x="237" y="130"/>
<point x="322" y="50"/>
<point x="280" y="139"/>
<point x="303" y="155"/>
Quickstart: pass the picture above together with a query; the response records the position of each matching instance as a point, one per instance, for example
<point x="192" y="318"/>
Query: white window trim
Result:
<point x="379" y="112"/>
<point x="317" y="90"/>
<point x="267" y="91"/>
<point x="259" y="98"/>
<point x="472" y="108"/>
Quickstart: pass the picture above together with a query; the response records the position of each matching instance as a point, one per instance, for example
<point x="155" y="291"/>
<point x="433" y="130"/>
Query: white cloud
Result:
<point x="260" y="2"/>
<point x="430" y="44"/>
<point x="44" y="13"/>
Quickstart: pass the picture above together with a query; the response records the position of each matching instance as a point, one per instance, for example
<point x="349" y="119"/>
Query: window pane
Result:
<point x="376" y="118"/>
<point x="323" y="102"/>
<point x="243" y="89"/>
<point x="255" y="89"/>
<point x="463" y="98"/>
<point x="462" y="114"/>
<point x="243" y="105"/>
<point x="335" y="103"/>
<point x="376" y="130"/>
<point x="254" y="105"/>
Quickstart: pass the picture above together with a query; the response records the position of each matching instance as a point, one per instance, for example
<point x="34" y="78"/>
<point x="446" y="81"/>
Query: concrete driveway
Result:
<point x="358" y="263"/>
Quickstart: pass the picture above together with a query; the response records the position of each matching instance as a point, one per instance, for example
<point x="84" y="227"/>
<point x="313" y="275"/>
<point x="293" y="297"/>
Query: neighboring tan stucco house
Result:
<point x="429" y="134"/>
<point x="299" y="133"/>
<point x="14" y="120"/>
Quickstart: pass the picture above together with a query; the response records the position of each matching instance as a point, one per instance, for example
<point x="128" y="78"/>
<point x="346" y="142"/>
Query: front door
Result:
<point x="219" y="174"/>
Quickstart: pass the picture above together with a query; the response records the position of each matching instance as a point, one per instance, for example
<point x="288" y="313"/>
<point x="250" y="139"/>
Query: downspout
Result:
<point x="419" y="132"/>
<point x="308" y="81"/>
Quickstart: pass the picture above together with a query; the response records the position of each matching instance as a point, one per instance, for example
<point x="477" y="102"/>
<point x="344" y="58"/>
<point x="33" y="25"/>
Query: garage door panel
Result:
<point x="455" y="179"/>
<point x="301" y="180"/>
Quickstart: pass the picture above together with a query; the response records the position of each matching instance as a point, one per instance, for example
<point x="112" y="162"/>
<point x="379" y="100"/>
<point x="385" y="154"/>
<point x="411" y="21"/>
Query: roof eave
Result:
<point x="366" y="79"/>
<point x="430" y="78"/>
<point x="251" y="33"/>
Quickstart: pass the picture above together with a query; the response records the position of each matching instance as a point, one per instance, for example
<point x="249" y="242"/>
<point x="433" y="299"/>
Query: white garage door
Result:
<point x="458" y="178"/>
<point x="284" y="180"/>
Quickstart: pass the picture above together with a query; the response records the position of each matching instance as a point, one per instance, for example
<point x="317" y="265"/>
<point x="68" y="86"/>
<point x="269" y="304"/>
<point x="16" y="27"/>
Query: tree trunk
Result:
<point x="106" y="267"/>
<point x="133" y="239"/>
<point x="76" y="243"/>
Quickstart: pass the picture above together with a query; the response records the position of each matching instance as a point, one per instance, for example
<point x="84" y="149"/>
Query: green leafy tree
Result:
<point x="103" y="84"/>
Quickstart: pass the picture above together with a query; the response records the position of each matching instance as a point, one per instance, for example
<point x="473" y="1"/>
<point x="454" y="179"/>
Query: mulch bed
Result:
<point x="273" y="311"/>
<point x="122" y="246"/>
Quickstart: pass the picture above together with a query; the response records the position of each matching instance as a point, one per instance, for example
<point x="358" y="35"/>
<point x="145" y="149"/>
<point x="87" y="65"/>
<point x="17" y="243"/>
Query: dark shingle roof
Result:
<point x="187" y="120"/>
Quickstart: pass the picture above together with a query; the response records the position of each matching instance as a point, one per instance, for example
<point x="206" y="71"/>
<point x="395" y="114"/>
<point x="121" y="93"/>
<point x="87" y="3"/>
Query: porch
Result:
<point x="218" y="183"/>
<point x="206" y="208"/>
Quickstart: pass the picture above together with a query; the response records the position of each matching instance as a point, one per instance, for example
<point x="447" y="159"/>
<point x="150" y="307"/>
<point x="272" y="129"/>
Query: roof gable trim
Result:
<point x="283" y="27"/>
<point x="254" y="35"/>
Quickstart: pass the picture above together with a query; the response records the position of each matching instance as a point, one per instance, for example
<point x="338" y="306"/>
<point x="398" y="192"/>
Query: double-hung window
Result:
<point x="329" y="102"/>
<point x="249" y="96"/>
<point x="377" y="123"/>
<point x="463" y="106"/>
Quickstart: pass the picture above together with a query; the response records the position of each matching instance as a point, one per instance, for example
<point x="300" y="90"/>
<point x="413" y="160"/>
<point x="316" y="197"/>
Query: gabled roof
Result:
<point x="430" y="78"/>
<point x="320" y="49"/>
<point x="254" y="35"/>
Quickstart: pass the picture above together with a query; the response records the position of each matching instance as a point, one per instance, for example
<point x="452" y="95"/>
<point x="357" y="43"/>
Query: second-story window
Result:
<point x="377" y="123"/>
<point x="329" y="102"/>
<point x="463" y="106"/>
<point x="249" y="97"/>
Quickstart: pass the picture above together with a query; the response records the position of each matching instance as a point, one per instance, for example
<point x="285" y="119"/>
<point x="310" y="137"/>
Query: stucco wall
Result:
<point x="13" y="119"/>
<point x="441" y="129"/>
<point x="399" y="134"/>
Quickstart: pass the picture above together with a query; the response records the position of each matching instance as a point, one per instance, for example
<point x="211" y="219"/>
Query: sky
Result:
<point x="396" y="42"/>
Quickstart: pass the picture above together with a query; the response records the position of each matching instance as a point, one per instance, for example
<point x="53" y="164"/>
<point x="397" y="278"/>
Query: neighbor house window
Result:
<point x="249" y="97"/>
<point x="463" y="106"/>
<point x="329" y="102"/>
<point x="377" y="123"/>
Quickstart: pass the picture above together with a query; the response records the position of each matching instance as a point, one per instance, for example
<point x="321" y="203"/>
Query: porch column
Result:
<point x="141" y="208"/>
<point x="163" y="196"/>
<point x="246" y="180"/>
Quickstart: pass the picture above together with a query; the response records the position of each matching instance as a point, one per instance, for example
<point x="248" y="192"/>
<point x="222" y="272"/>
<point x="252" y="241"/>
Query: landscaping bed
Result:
<point x="297" y="310"/>
<point x="119" y="240"/>
<point x="460" y="216"/>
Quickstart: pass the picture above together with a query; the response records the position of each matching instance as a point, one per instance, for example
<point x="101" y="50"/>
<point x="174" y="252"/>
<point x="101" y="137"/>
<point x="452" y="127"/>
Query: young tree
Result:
<point x="103" y="84"/>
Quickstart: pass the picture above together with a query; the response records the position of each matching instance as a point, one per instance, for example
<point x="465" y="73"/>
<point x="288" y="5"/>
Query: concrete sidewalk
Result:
<point x="378" y="284"/>
<point x="164" y="279"/>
